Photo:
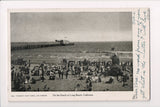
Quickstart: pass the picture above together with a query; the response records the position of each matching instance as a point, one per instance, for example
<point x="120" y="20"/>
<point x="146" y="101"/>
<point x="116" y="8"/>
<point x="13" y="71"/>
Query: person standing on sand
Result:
<point x="116" y="69"/>
<point x="115" y="59"/>
<point x="12" y="75"/>
<point x="73" y="70"/>
<point x="66" y="73"/>
<point x="89" y="85"/>
<point x="124" y="80"/>
<point x="62" y="71"/>
<point x="59" y="72"/>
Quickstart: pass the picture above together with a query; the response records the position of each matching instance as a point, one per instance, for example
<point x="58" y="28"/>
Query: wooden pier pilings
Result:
<point x="33" y="45"/>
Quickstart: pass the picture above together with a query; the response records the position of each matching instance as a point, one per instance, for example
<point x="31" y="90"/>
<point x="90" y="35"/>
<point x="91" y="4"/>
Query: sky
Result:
<point x="72" y="26"/>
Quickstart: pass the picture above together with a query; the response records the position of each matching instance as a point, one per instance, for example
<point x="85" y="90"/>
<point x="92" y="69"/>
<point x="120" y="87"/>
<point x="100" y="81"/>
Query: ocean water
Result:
<point x="78" y="51"/>
<point x="87" y="47"/>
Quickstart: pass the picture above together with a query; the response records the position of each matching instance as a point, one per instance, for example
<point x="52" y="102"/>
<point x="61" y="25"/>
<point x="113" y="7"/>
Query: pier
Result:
<point x="33" y="45"/>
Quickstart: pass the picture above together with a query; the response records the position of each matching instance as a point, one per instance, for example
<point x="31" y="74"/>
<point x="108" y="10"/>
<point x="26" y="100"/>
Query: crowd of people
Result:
<point x="90" y="71"/>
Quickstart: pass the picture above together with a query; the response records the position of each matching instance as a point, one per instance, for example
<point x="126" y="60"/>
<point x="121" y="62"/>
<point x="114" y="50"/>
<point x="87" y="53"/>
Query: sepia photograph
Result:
<point x="71" y="51"/>
<point x="78" y="53"/>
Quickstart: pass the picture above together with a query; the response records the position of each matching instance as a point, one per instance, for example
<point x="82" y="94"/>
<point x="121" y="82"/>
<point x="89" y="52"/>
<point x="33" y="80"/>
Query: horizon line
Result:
<point x="71" y="41"/>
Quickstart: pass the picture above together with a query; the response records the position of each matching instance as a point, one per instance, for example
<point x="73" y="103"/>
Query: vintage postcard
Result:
<point x="78" y="54"/>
